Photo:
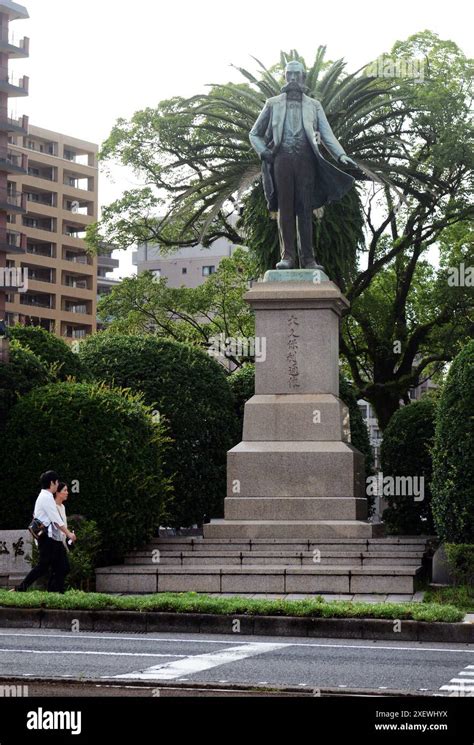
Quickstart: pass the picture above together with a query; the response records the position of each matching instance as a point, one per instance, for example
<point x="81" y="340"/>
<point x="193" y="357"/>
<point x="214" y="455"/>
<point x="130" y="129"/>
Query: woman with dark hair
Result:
<point x="62" y="568"/>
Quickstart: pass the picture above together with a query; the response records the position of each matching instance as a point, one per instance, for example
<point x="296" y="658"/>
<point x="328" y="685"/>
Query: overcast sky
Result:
<point x="96" y="60"/>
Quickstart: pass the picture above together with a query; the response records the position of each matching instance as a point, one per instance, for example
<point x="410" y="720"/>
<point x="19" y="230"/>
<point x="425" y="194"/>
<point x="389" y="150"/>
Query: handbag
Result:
<point x="37" y="528"/>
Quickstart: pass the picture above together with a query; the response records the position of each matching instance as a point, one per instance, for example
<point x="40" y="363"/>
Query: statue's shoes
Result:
<point x="311" y="265"/>
<point x="285" y="264"/>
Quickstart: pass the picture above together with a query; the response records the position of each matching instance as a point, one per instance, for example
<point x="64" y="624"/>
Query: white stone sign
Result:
<point x="15" y="546"/>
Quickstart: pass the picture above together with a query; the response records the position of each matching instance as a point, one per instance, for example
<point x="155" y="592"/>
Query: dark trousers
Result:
<point x="295" y="175"/>
<point x="60" y="571"/>
<point x="50" y="559"/>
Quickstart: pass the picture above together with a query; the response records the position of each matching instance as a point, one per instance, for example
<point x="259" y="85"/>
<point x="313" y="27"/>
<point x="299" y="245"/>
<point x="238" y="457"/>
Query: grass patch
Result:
<point x="462" y="597"/>
<point x="190" y="602"/>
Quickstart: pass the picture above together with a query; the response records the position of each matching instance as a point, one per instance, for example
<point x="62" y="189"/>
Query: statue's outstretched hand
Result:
<point x="345" y="160"/>
<point x="267" y="155"/>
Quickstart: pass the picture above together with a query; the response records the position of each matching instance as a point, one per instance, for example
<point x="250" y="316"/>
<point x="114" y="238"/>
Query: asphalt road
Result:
<point x="431" y="668"/>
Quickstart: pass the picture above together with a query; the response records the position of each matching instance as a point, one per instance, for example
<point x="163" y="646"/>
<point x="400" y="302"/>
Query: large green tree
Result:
<point x="199" y="315"/>
<point x="197" y="167"/>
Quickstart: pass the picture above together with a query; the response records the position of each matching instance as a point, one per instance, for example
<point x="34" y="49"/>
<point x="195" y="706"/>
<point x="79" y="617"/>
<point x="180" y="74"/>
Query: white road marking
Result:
<point x="144" y="638"/>
<point x="462" y="686"/>
<point x="105" y="654"/>
<point x="198" y="663"/>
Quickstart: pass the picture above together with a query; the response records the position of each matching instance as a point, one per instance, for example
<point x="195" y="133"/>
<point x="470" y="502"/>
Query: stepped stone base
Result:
<point x="307" y="529"/>
<point x="253" y="579"/>
<point x="285" y="508"/>
<point x="331" y="566"/>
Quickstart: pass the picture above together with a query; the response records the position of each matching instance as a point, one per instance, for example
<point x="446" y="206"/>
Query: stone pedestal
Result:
<point x="295" y="474"/>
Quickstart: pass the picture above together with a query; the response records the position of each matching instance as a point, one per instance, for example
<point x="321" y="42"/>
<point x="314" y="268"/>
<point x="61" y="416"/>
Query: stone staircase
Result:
<point x="336" y="566"/>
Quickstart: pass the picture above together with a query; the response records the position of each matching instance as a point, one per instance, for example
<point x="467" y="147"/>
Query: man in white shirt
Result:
<point x="50" y="542"/>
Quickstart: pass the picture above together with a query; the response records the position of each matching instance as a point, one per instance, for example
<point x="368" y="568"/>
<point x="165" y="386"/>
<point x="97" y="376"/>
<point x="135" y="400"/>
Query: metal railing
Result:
<point x="13" y="198"/>
<point x="40" y="251"/>
<point x="17" y="81"/>
<point x="11" y="158"/>
<point x="7" y="37"/>
<point x="77" y="259"/>
<point x="11" y="237"/>
<point x="32" y="302"/>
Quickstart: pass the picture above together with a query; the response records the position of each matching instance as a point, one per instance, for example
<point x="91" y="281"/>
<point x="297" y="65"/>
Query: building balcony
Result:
<point x="12" y="242"/>
<point x="11" y="162"/>
<point x="71" y="331"/>
<point x="45" y="224"/>
<point x="38" y="276"/>
<point x="77" y="258"/>
<point x="75" y="240"/>
<point x="15" y="125"/>
<point x="107" y="282"/>
<point x="45" y="173"/>
<point x="40" y="200"/>
<point x="43" y="251"/>
<point x="15" y="86"/>
<point x="37" y="301"/>
<point x="15" y="48"/>
<point x="13" y="10"/>
<point x="13" y="202"/>
<point x="107" y="262"/>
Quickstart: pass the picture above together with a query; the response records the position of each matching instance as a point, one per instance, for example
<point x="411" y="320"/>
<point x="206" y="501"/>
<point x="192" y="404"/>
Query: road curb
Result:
<point x="137" y="622"/>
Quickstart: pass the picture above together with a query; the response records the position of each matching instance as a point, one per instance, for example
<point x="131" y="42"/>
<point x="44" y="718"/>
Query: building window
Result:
<point x="74" y="333"/>
<point x="184" y="270"/>
<point x="208" y="270"/>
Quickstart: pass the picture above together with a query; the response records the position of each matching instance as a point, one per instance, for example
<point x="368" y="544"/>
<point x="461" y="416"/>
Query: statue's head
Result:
<point x="295" y="76"/>
<point x="295" y="72"/>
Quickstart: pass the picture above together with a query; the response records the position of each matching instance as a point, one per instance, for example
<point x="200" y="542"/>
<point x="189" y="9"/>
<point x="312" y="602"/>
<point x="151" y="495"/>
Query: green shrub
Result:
<point x="191" y="394"/>
<point x="104" y="443"/>
<point x="242" y="383"/>
<point x="460" y="558"/>
<point x="24" y="372"/>
<point x="50" y="348"/>
<point x="406" y="451"/>
<point x="453" y="455"/>
<point x="359" y="433"/>
<point x="83" y="557"/>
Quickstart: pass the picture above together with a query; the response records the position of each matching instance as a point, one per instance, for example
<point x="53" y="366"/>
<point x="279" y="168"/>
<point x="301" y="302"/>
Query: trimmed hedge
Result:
<point x="50" y="348"/>
<point x="24" y="372"/>
<point x="359" y="433"/>
<point x="242" y="383"/>
<point x="104" y="443"/>
<point x="406" y="451"/>
<point x="191" y="394"/>
<point x="460" y="558"/>
<point x="453" y="454"/>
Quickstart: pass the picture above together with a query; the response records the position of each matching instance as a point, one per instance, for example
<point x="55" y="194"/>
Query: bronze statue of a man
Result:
<point x="296" y="178"/>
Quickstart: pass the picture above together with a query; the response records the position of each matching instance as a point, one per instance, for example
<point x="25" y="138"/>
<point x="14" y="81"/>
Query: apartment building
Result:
<point x="12" y="202"/>
<point x="105" y="265"/>
<point x="187" y="267"/>
<point x="60" y="199"/>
